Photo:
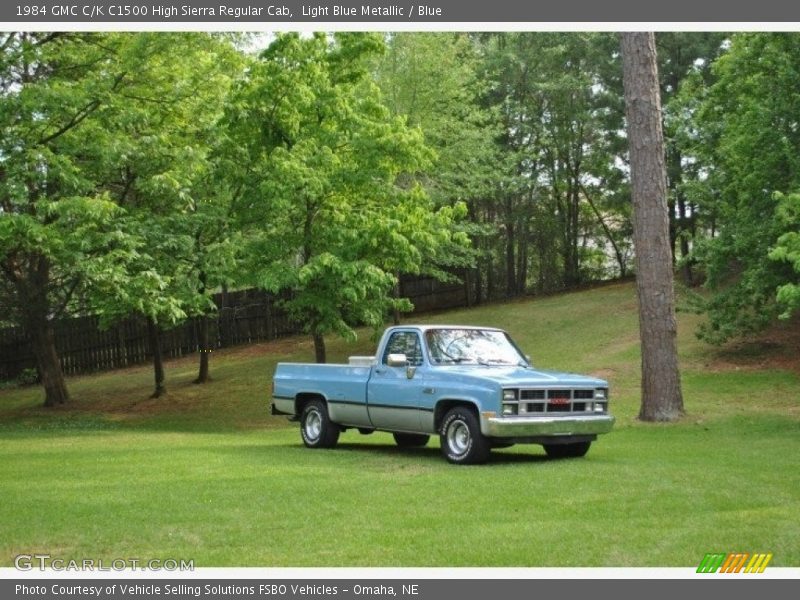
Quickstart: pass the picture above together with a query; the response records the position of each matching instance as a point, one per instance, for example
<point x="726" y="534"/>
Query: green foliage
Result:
<point x="787" y="250"/>
<point x="749" y="148"/>
<point x="105" y="138"/>
<point x="176" y="200"/>
<point x="433" y="81"/>
<point x="561" y="120"/>
<point x="28" y="377"/>
<point x="330" y="209"/>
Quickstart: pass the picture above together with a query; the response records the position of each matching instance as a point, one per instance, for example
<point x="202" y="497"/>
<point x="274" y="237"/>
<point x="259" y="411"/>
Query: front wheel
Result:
<point x="316" y="428"/>
<point x="461" y="438"/>
<point x="575" y="450"/>
<point x="411" y="440"/>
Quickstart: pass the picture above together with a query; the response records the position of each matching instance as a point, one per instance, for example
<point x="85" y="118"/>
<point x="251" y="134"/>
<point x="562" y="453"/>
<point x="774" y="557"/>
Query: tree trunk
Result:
<point x="202" y="324"/>
<point x="617" y="253"/>
<point x="511" y="277"/>
<point x="222" y="318"/>
<point x="468" y="287"/>
<point x="684" y="233"/>
<point x="205" y="349"/>
<point x="491" y="286"/>
<point x="32" y="293"/>
<point x="661" y="385"/>
<point x="44" y="348"/>
<point x="574" y="211"/>
<point x="158" y="360"/>
<point x="479" y="243"/>
<point x="319" y="348"/>
<point x="522" y="262"/>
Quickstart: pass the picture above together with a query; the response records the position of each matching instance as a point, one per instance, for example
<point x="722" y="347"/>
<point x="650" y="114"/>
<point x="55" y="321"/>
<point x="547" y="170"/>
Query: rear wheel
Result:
<point x="575" y="450"/>
<point x="461" y="438"/>
<point x="411" y="440"/>
<point x="316" y="428"/>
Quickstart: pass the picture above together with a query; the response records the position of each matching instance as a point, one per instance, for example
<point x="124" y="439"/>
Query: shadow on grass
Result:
<point x="428" y="454"/>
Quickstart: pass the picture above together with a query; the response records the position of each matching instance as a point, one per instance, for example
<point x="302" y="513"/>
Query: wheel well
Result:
<point x="445" y="405"/>
<point x="304" y="398"/>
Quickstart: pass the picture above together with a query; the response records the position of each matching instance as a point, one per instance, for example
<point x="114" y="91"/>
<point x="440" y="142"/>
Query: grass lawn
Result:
<point x="206" y="474"/>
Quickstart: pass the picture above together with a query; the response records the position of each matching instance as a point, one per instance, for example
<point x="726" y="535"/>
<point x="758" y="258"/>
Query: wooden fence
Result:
<point x="244" y="317"/>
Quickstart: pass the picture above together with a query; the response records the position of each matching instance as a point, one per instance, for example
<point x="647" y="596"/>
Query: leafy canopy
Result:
<point x="323" y="207"/>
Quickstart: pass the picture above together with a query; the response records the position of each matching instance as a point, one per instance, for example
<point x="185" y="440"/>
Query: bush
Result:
<point x="28" y="377"/>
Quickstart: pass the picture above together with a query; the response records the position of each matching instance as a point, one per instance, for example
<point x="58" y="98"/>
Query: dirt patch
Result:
<point x="775" y="348"/>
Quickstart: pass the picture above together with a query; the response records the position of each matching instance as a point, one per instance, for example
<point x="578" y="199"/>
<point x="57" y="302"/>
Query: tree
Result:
<point x="558" y="185"/>
<point x="682" y="56"/>
<point x="177" y="206"/>
<point x="662" y="399"/>
<point x="787" y="249"/>
<point x="85" y="161"/>
<point x="747" y="145"/>
<point x="432" y="80"/>
<point x="322" y="207"/>
<point x="55" y="222"/>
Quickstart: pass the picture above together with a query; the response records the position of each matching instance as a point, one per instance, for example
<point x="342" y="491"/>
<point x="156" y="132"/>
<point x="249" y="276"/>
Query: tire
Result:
<point x="411" y="440"/>
<point x="461" y="439"/>
<point x="316" y="428"/>
<point x="575" y="450"/>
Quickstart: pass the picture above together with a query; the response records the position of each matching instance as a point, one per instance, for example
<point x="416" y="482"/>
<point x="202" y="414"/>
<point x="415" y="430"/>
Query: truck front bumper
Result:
<point x="534" y="427"/>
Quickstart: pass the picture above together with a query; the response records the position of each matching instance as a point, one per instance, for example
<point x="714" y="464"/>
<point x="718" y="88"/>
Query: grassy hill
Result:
<point x="205" y="473"/>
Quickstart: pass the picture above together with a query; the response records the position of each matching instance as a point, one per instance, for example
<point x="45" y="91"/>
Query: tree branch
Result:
<point x="81" y="114"/>
<point x="605" y="228"/>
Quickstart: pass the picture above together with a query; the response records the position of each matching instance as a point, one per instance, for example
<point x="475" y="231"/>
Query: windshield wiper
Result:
<point x="495" y="361"/>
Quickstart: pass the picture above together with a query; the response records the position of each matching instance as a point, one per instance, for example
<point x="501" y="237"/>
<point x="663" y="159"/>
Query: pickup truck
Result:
<point x="470" y="385"/>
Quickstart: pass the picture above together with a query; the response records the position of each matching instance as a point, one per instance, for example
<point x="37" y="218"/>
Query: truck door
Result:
<point x="393" y="400"/>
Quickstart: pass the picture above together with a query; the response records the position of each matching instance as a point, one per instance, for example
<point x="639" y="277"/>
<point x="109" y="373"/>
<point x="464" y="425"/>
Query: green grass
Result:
<point x="206" y="474"/>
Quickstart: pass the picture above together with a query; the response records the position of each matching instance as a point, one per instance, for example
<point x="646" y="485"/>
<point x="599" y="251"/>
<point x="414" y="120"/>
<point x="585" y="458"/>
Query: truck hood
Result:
<point x="523" y="376"/>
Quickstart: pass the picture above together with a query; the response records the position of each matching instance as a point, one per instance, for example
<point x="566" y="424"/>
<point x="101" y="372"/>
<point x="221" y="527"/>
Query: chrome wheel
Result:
<point x="313" y="425"/>
<point x="458" y="437"/>
<point x="461" y="439"/>
<point x="316" y="428"/>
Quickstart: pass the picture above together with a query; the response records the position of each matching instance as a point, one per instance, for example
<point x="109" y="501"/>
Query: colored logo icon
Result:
<point x="734" y="562"/>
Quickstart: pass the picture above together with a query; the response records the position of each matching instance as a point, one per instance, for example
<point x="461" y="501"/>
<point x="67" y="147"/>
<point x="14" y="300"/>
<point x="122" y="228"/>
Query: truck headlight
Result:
<point x="509" y="409"/>
<point x="601" y="394"/>
<point x="509" y="395"/>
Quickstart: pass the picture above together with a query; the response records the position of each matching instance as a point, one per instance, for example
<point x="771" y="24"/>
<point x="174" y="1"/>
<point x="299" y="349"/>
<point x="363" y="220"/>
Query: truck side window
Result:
<point x="404" y="342"/>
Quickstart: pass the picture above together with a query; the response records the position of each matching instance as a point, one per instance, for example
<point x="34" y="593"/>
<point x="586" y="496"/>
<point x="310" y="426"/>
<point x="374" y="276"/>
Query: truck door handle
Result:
<point x="380" y="371"/>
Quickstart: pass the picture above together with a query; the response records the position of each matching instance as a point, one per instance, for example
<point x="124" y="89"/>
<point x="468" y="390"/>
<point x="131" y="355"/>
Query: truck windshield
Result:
<point x="478" y="346"/>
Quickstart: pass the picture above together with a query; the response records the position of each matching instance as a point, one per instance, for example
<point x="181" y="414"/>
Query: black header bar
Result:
<point x="284" y="12"/>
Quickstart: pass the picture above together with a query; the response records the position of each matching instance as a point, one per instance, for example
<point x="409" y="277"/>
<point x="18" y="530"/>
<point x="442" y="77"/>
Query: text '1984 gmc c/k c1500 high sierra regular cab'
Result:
<point x="471" y="385"/>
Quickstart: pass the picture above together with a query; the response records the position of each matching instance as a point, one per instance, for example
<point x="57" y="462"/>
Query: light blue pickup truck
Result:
<point x="470" y="385"/>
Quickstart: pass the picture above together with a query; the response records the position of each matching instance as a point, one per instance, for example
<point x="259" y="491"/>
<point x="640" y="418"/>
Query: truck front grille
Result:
<point x="560" y="402"/>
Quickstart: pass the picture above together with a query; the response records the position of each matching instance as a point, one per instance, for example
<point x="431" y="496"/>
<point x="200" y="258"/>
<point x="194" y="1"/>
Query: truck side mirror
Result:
<point x="397" y="360"/>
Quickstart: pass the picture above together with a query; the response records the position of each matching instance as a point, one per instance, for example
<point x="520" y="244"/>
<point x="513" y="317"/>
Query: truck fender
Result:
<point x="445" y="404"/>
<point x="303" y="398"/>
